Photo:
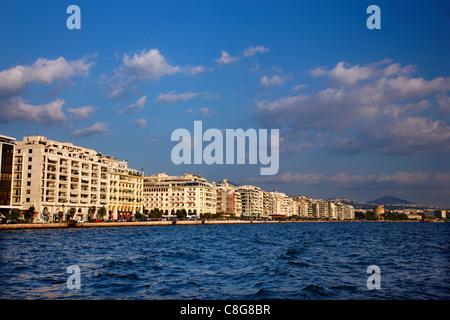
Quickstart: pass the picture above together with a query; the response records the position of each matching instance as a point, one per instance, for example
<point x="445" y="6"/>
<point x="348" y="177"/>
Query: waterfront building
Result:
<point x="251" y="200"/>
<point x="228" y="199"/>
<point x="302" y="205"/>
<point x="7" y="148"/>
<point x="321" y="209"/>
<point x="277" y="204"/>
<point x="63" y="181"/>
<point x="343" y="211"/>
<point x="190" y="192"/>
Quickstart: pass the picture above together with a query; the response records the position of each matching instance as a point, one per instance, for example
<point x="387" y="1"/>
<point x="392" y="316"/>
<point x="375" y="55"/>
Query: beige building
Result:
<point x="172" y="193"/>
<point x="308" y="208"/>
<point x="252" y="201"/>
<point x="277" y="204"/>
<point x="59" y="178"/>
<point x="343" y="211"/>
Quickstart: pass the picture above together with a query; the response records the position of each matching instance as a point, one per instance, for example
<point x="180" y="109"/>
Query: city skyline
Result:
<point x="362" y="113"/>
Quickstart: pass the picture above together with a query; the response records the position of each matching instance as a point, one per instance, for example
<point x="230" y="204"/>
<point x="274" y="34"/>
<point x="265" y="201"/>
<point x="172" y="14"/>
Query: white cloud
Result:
<point x="141" y="123"/>
<point x="366" y="110"/>
<point x="226" y="58"/>
<point x="319" y="71"/>
<point x="251" y="51"/>
<point x="346" y="180"/>
<point x="206" y="111"/>
<point x="145" y="65"/>
<point x="99" y="128"/>
<point x="17" y="109"/>
<point x="14" y="80"/>
<point x="401" y="136"/>
<point x="300" y="87"/>
<point x="195" y="70"/>
<point x="274" y="80"/>
<point x="82" y="113"/>
<point x="173" y="97"/>
<point x="444" y="103"/>
<point x="134" y="106"/>
<point x="345" y="74"/>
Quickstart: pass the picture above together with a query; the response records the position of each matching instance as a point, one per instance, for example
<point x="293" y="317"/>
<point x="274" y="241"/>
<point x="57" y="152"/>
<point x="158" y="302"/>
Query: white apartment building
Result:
<point x="252" y="201"/>
<point x="172" y="193"/>
<point x="344" y="211"/>
<point x="277" y="204"/>
<point x="302" y="204"/>
<point x="60" y="178"/>
<point x="319" y="208"/>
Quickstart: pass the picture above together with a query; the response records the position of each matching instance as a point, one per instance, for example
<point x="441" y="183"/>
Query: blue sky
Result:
<point x="362" y="113"/>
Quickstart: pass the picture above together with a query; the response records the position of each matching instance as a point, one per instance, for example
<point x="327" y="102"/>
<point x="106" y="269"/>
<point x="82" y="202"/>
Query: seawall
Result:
<point x="127" y="224"/>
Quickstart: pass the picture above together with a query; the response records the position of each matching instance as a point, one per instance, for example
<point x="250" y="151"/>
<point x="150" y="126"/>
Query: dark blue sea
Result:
<point x="287" y="261"/>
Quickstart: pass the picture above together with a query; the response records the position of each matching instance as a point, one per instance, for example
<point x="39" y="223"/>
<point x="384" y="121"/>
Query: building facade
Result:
<point x="7" y="149"/>
<point x="228" y="199"/>
<point x="190" y="192"/>
<point x="277" y="205"/>
<point x="251" y="201"/>
<point x="63" y="181"/>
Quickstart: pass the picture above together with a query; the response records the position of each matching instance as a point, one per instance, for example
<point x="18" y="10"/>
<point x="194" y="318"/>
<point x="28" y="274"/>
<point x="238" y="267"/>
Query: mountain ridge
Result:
<point x="389" y="200"/>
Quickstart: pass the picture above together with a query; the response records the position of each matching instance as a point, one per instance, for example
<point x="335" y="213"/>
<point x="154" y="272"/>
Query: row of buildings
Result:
<point x="62" y="181"/>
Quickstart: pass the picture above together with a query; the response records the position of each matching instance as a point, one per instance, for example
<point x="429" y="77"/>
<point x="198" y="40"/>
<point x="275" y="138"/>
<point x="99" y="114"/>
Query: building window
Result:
<point x="30" y="150"/>
<point x="28" y="183"/>
<point x="27" y="200"/>
<point x="28" y="191"/>
<point x="29" y="167"/>
<point x="29" y="175"/>
<point x="30" y="158"/>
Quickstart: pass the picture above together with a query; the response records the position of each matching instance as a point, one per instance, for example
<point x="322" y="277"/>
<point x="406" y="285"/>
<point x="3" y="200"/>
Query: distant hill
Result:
<point x="388" y="200"/>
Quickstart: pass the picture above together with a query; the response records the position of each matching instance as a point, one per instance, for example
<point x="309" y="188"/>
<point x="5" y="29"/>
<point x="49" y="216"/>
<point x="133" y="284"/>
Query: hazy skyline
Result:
<point x="362" y="113"/>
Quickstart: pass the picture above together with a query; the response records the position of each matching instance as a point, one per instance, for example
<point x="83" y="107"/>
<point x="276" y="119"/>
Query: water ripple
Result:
<point x="252" y="261"/>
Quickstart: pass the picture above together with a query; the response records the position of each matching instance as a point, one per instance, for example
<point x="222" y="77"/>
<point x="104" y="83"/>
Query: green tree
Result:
<point x="72" y="212"/>
<point x="181" y="214"/>
<point x="14" y="214"/>
<point x="29" y="214"/>
<point x="91" y="212"/>
<point x="155" y="213"/>
<point x="102" y="212"/>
